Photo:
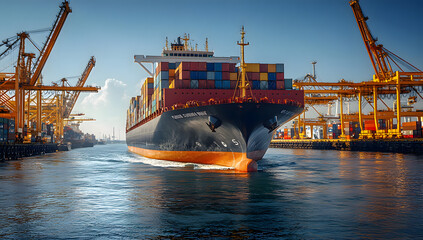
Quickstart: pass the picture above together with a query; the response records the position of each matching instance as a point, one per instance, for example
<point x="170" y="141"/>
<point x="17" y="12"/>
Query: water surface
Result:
<point x="108" y="192"/>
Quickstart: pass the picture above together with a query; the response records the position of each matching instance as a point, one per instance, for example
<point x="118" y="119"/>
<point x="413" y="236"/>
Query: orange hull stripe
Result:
<point x="236" y="160"/>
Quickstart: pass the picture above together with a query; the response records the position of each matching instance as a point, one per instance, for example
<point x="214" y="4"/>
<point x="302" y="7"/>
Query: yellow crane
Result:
<point x="27" y="76"/>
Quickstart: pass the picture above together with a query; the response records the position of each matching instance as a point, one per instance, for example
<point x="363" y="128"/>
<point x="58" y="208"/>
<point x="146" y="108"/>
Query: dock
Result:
<point x="18" y="151"/>
<point x="412" y="145"/>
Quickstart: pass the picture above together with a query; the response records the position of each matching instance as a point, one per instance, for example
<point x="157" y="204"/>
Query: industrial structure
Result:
<point x="395" y="82"/>
<point x="30" y="108"/>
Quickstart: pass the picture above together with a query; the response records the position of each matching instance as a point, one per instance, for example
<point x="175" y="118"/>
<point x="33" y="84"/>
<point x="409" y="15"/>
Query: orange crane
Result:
<point x="72" y="96"/>
<point x="27" y="77"/>
<point x="382" y="61"/>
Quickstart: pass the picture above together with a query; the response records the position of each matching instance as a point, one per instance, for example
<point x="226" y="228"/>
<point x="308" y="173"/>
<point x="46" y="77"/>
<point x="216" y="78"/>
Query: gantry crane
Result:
<point x="386" y="83"/>
<point x="385" y="77"/>
<point x="27" y="76"/>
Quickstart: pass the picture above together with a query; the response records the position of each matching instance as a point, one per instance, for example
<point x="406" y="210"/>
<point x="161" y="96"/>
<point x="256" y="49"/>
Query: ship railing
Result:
<point x="211" y="101"/>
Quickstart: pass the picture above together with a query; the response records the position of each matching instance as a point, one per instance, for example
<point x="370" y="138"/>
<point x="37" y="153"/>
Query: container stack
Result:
<point x="147" y="90"/>
<point x="352" y="130"/>
<point x="202" y="75"/>
<point x="267" y="76"/>
<point x="7" y="130"/>
<point x="412" y="129"/>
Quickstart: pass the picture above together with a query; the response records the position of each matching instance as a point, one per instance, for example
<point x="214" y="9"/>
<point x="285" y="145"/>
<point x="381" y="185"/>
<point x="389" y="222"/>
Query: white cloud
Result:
<point x="108" y="107"/>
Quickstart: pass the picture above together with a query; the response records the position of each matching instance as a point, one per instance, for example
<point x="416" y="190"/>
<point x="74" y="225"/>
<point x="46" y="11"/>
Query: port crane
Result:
<point x="16" y="89"/>
<point x="389" y="81"/>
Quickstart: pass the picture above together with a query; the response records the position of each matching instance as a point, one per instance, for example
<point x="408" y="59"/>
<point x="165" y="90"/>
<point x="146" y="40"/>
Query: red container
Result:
<point x="184" y="75"/>
<point x="249" y="76"/>
<point x="194" y="66"/>
<point x="233" y="84"/>
<point x="280" y="85"/>
<point x="185" y="66"/>
<point x="255" y="76"/>
<point x="210" y="84"/>
<point x="225" y="75"/>
<point x="231" y="67"/>
<point x="163" y="66"/>
<point x="202" y="66"/>
<point x="263" y="68"/>
<point x="186" y="83"/>
<point x="179" y="84"/>
<point x="202" y="84"/>
<point x="225" y="67"/>
<point x="280" y="76"/>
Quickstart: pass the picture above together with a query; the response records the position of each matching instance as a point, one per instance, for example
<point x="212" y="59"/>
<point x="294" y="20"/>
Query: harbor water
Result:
<point x="106" y="192"/>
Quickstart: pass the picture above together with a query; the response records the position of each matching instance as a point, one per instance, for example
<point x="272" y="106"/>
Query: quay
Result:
<point x="411" y="145"/>
<point x="18" y="151"/>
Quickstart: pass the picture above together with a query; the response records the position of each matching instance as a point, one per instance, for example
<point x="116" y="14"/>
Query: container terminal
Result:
<point x="392" y="123"/>
<point x="33" y="115"/>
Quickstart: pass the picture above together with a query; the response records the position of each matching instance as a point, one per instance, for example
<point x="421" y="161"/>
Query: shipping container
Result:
<point x="263" y="68"/>
<point x="263" y="76"/>
<point x="263" y="85"/>
<point x="226" y="84"/>
<point x="233" y="76"/>
<point x="279" y="67"/>
<point x="252" y="67"/>
<point x="288" y="83"/>
<point x="256" y="84"/>
<point x="210" y="67"/>
<point x="210" y="75"/>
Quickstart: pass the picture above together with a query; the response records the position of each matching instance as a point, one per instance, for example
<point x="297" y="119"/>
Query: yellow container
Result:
<point x="233" y="76"/>
<point x="271" y="68"/>
<point x="253" y="67"/>
<point x="263" y="77"/>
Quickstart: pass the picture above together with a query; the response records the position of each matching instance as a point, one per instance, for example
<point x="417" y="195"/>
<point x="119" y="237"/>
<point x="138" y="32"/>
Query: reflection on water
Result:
<point x="107" y="192"/>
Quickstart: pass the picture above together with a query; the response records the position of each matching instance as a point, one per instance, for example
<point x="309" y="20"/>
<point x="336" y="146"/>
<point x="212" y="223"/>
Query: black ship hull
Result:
<point x="234" y="135"/>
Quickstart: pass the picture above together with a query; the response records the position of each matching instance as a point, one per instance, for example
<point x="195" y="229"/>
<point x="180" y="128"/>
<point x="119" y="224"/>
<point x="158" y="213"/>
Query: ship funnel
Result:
<point x="214" y="123"/>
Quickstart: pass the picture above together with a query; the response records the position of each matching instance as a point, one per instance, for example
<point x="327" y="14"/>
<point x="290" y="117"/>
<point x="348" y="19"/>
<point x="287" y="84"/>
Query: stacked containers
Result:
<point x="202" y="75"/>
<point x="266" y="76"/>
<point x="7" y="130"/>
<point x="412" y="129"/>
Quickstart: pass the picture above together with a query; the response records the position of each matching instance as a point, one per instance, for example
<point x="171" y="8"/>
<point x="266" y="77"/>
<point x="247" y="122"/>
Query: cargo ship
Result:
<point x="201" y="109"/>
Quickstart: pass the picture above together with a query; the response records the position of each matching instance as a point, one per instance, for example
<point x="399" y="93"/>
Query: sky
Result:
<point x="293" y="32"/>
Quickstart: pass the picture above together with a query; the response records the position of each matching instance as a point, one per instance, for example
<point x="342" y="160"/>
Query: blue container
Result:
<point x="217" y="67"/>
<point x="202" y="75"/>
<point x="218" y="75"/>
<point x="279" y="68"/>
<point x="194" y="84"/>
<point x="271" y="85"/>
<point x="164" y="75"/>
<point x="164" y="84"/>
<point x="150" y="85"/>
<point x="263" y="85"/>
<point x="218" y="84"/>
<point x="271" y="76"/>
<point x="226" y="84"/>
<point x="288" y="83"/>
<point x="210" y="75"/>
<point x="172" y="65"/>
<point x="256" y="84"/>
<point x="194" y="75"/>
<point x="210" y="67"/>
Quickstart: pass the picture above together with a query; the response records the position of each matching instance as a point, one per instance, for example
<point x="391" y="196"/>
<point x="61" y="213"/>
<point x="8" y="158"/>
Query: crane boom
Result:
<point x="377" y="54"/>
<point x="51" y="39"/>
<point x="73" y="96"/>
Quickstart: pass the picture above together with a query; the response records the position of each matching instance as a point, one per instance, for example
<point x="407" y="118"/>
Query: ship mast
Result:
<point x="243" y="86"/>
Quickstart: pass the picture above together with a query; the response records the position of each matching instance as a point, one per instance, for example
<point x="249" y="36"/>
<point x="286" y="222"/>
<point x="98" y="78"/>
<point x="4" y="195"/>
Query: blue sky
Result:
<point x="294" y="32"/>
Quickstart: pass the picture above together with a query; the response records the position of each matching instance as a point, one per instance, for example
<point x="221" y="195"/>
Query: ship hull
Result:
<point x="234" y="135"/>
